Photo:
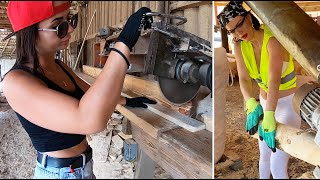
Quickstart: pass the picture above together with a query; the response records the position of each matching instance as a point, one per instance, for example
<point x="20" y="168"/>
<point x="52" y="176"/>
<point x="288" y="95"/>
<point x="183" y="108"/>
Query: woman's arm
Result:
<point x="277" y="54"/>
<point x="84" y="85"/>
<point x="59" y="112"/>
<point x="244" y="78"/>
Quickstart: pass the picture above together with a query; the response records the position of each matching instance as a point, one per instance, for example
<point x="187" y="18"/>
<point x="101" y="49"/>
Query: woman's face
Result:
<point x="241" y="27"/>
<point x="48" y="41"/>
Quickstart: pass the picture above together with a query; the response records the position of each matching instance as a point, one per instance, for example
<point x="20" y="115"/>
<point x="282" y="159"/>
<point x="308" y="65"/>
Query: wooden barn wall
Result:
<point x="115" y="13"/>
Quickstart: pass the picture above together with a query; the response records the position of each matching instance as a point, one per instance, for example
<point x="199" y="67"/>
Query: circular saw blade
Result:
<point x="176" y="91"/>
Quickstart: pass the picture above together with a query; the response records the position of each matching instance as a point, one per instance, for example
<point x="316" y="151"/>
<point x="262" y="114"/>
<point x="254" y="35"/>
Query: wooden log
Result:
<point x="297" y="143"/>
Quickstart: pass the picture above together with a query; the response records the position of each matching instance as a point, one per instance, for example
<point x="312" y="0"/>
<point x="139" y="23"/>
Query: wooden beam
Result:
<point x="5" y="46"/>
<point x="12" y="51"/>
<point x="311" y="8"/>
<point x="181" y="5"/>
<point x="5" y="22"/>
<point x="220" y="3"/>
<point x="306" y="3"/>
<point x="182" y="154"/>
<point x="149" y="88"/>
<point x="297" y="143"/>
<point x="3" y="5"/>
<point x="3" y="11"/>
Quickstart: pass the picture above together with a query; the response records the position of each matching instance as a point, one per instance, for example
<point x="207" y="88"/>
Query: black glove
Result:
<point x="139" y="102"/>
<point x="132" y="29"/>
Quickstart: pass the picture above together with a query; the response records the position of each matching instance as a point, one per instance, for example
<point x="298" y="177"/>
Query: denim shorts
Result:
<point x="85" y="172"/>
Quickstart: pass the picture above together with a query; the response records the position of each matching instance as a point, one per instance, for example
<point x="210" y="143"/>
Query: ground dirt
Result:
<point x="17" y="155"/>
<point x="242" y="149"/>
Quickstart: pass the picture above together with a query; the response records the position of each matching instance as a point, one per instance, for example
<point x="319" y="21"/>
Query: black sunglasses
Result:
<point x="238" y="25"/>
<point x="62" y="28"/>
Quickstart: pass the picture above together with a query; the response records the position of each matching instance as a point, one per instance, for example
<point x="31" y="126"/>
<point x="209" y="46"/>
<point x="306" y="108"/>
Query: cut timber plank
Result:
<point x="297" y="143"/>
<point x="150" y="122"/>
<point x="124" y="136"/>
<point x="179" y="119"/>
<point x="186" y="122"/>
<point x="88" y="79"/>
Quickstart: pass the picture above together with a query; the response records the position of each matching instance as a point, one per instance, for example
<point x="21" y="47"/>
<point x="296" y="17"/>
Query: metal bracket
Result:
<point x="170" y="16"/>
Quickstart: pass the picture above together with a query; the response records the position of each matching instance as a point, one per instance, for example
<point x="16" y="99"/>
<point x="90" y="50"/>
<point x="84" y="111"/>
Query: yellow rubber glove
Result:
<point x="254" y="115"/>
<point x="267" y="130"/>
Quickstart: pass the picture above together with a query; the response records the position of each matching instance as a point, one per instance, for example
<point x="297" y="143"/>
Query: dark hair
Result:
<point x="26" y="47"/>
<point x="255" y="22"/>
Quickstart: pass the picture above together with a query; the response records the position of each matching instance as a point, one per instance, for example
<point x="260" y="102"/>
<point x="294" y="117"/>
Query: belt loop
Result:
<point x="83" y="164"/>
<point x="44" y="160"/>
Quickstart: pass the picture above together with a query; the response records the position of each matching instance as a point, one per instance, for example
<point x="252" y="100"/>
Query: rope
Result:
<point x="231" y="76"/>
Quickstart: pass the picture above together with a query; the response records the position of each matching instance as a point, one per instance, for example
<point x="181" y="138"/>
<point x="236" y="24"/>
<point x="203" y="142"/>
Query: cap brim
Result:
<point x="9" y="36"/>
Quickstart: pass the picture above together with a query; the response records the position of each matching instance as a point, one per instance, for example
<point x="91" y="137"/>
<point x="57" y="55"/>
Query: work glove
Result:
<point x="132" y="29"/>
<point x="254" y="115"/>
<point x="139" y="102"/>
<point x="267" y="130"/>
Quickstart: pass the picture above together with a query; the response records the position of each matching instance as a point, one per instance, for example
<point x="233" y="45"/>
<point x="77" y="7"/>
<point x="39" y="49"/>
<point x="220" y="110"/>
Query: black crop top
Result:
<point x="45" y="140"/>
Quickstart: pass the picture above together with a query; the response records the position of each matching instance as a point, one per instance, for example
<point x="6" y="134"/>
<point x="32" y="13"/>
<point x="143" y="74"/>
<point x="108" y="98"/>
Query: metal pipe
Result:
<point x="294" y="29"/>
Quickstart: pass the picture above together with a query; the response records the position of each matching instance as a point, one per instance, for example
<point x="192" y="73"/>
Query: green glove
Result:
<point x="267" y="130"/>
<point x="254" y="115"/>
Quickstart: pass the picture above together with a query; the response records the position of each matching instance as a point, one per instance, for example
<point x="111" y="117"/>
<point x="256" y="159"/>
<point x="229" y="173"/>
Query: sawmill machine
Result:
<point x="180" y="61"/>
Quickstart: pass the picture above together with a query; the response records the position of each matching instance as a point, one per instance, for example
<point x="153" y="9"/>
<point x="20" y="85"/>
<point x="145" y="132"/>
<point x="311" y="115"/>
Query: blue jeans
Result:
<point x="42" y="172"/>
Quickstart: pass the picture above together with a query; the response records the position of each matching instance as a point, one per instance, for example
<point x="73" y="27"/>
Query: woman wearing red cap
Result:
<point x="261" y="57"/>
<point x="56" y="108"/>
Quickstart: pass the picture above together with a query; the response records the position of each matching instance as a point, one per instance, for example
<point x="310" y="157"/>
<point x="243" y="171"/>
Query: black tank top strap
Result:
<point x="31" y="71"/>
<point x="78" y="93"/>
<point x="68" y="74"/>
<point x="37" y="74"/>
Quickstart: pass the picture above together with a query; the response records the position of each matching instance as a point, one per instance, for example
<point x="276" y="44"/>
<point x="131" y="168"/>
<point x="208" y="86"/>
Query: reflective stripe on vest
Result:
<point x="284" y="80"/>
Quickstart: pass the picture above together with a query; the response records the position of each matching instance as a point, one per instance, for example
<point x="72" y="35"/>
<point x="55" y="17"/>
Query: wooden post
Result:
<point x="224" y="38"/>
<point x="145" y="166"/>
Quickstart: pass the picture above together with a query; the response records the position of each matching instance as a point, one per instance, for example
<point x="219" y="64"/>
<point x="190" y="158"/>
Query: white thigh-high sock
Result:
<point x="279" y="160"/>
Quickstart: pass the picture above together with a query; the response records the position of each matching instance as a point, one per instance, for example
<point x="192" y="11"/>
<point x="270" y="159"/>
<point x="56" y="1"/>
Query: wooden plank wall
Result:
<point x="115" y="13"/>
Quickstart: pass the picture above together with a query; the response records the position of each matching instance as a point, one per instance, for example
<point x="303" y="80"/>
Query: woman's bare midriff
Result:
<point x="70" y="152"/>
<point x="282" y="93"/>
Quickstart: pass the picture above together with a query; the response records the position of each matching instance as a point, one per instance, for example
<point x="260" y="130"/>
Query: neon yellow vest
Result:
<point x="288" y="77"/>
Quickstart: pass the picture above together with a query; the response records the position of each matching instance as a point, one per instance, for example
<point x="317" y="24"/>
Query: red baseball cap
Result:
<point x="23" y="14"/>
